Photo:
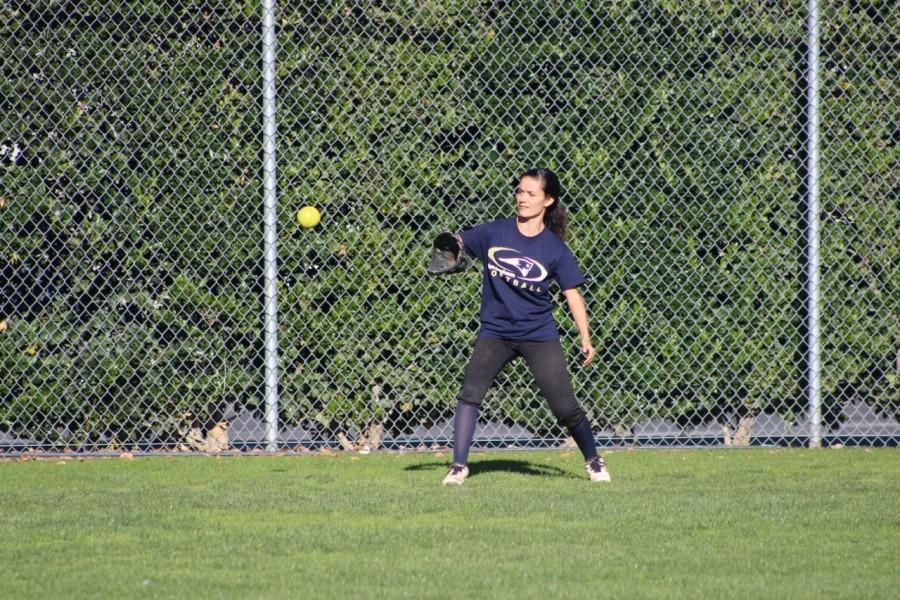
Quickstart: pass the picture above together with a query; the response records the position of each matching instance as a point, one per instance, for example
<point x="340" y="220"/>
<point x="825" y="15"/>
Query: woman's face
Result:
<point x="530" y="198"/>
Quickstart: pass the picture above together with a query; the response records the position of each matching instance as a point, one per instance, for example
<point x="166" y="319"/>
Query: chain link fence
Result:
<point x="131" y="211"/>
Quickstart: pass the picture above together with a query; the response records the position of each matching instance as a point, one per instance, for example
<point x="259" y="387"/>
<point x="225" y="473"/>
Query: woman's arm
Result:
<point x="579" y="314"/>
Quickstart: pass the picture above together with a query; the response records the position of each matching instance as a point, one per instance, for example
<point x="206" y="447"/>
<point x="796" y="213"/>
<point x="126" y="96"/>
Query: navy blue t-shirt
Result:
<point x="515" y="301"/>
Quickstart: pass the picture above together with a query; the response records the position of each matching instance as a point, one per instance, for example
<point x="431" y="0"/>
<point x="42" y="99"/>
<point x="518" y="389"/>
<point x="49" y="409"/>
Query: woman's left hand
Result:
<point x="587" y="350"/>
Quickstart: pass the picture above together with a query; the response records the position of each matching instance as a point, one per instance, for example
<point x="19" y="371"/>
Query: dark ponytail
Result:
<point x="555" y="218"/>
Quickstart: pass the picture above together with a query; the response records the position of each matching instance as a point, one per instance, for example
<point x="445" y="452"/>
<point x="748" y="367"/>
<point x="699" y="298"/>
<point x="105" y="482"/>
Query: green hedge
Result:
<point x="130" y="261"/>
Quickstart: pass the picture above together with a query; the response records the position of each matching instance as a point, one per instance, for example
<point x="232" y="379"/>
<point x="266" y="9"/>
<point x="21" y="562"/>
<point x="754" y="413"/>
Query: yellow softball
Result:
<point x="308" y="216"/>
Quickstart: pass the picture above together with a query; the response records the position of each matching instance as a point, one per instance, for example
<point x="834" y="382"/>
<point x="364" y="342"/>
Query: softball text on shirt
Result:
<point x="516" y="302"/>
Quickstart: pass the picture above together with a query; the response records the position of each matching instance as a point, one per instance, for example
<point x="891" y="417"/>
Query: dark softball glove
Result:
<point x="447" y="254"/>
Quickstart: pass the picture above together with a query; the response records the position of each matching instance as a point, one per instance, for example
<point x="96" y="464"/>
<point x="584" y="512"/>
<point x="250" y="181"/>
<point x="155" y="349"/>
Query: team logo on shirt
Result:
<point x="510" y="263"/>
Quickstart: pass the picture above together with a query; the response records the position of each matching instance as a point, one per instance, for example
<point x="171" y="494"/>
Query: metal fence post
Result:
<point x="812" y="222"/>
<point x="270" y="218"/>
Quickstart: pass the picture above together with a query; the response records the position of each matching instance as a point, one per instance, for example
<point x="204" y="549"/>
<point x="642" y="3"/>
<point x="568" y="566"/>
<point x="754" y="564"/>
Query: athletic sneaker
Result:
<point x="456" y="475"/>
<point x="596" y="469"/>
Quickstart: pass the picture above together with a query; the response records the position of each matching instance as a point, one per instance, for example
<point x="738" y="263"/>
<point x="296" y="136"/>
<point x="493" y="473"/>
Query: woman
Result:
<point x="521" y="255"/>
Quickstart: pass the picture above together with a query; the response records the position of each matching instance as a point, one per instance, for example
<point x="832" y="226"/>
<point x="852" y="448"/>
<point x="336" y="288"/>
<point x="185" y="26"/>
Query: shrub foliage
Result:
<point x="130" y="264"/>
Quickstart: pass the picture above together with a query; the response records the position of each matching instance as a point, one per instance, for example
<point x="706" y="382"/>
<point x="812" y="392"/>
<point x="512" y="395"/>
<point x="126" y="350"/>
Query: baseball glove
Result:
<point x="447" y="254"/>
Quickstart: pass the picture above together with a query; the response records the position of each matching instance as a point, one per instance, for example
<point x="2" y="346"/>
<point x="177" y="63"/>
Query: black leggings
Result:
<point x="548" y="366"/>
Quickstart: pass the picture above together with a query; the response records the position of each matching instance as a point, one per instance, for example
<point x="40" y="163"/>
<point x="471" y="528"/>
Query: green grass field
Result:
<point x="685" y="523"/>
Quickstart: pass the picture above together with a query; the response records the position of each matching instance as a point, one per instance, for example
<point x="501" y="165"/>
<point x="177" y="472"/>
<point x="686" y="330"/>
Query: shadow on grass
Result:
<point x="522" y="467"/>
